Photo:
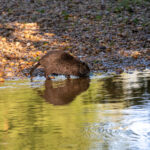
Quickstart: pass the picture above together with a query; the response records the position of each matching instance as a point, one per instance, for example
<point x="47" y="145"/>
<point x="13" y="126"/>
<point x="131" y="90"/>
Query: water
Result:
<point x="106" y="112"/>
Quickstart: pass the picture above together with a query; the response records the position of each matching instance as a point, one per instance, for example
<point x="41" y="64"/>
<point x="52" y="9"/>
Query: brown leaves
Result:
<point x="1" y="73"/>
<point x="111" y="38"/>
<point x="2" y="79"/>
<point x="136" y="54"/>
<point x="133" y="54"/>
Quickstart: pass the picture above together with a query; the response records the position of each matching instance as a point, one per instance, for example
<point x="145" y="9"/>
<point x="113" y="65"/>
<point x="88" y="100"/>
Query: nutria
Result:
<point x="65" y="92"/>
<point x="59" y="62"/>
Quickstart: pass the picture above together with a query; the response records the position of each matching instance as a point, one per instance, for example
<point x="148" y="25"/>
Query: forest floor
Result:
<point x="114" y="39"/>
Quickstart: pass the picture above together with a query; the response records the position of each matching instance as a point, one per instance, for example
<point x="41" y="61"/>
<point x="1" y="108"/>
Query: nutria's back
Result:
<point x="58" y="62"/>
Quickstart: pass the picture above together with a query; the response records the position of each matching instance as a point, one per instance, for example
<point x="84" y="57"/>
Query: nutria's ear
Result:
<point x="66" y="56"/>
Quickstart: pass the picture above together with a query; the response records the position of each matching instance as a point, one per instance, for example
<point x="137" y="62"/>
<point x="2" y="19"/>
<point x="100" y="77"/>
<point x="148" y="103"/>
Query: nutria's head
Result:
<point x="84" y="70"/>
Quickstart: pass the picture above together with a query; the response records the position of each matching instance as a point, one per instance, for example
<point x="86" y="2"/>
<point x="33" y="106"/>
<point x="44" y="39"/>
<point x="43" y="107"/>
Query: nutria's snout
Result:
<point x="84" y="70"/>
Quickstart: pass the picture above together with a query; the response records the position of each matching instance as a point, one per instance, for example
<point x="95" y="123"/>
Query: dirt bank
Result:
<point x="114" y="39"/>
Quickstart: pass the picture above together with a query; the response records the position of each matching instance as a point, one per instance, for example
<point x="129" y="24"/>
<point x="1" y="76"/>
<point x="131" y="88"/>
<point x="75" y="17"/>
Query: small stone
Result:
<point x="148" y="37"/>
<point x="139" y="28"/>
<point x="28" y="44"/>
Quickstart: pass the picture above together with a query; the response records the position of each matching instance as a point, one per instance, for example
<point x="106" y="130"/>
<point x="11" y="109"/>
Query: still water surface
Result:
<point x="105" y="112"/>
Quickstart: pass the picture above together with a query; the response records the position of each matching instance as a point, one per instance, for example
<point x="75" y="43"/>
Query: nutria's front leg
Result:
<point x="67" y="76"/>
<point x="46" y="76"/>
<point x="31" y="79"/>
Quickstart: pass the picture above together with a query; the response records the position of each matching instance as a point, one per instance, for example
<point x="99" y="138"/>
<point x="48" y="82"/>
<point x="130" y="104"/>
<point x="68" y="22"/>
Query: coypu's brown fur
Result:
<point x="58" y="62"/>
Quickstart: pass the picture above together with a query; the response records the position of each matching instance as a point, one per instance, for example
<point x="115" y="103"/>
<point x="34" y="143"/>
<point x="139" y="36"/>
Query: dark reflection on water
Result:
<point x="131" y="90"/>
<point x="66" y="92"/>
<point x="104" y="113"/>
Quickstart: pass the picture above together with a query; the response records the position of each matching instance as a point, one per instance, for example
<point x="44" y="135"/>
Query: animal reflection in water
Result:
<point x="65" y="93"/>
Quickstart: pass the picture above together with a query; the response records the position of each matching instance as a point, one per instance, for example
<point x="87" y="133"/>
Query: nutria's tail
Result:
<point x="33" y="68"/>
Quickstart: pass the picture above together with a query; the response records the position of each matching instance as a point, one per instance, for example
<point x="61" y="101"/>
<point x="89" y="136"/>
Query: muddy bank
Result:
<point x="114" y="39"/>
